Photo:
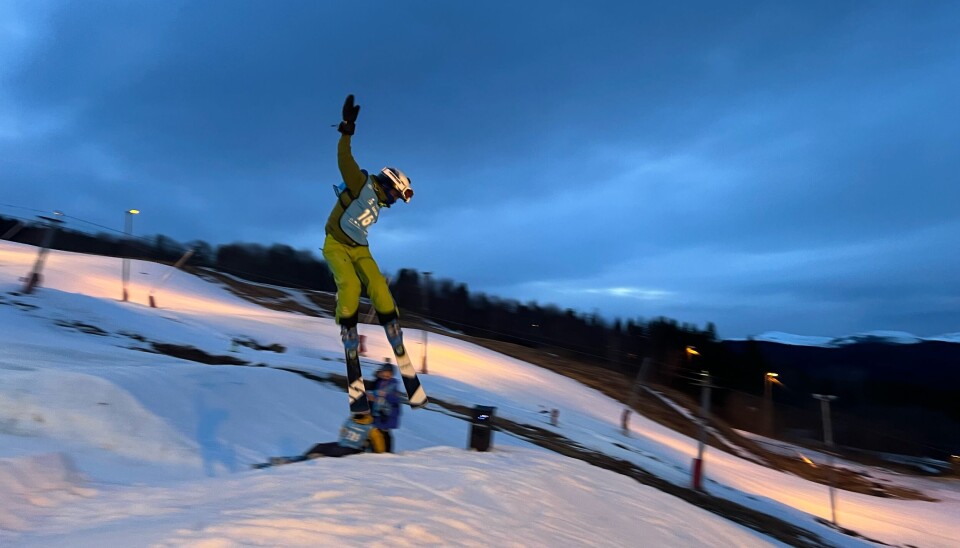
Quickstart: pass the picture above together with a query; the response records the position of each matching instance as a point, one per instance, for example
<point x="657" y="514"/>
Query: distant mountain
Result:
<point x="875" y="337"/>
<point x="896" y="391"/>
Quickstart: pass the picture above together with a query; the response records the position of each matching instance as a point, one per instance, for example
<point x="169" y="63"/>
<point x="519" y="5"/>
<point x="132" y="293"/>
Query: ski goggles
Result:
<point x="399" y="184"/>
<point x="404" y="194"/>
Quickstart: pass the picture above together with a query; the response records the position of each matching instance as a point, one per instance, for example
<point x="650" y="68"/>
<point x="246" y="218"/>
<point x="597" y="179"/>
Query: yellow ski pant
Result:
<point x="351" y="267"/>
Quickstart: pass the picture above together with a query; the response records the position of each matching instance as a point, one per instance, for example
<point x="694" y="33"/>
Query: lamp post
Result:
<point x="426" y="311"/>
<point x="697" y="470"/>
<point x="128" y="230"/>
<point x="768" y="381"/>
<point x="828" y="439"/>
<point x="705" y="387"/>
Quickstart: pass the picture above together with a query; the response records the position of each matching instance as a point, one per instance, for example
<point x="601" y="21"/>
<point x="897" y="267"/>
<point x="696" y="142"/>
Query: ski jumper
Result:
<point x="345" y="247"/>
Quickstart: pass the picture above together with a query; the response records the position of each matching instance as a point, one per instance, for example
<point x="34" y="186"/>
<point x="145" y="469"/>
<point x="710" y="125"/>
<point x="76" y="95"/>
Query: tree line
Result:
<point x="612" y="344"/>
<point x="616" y="345"/>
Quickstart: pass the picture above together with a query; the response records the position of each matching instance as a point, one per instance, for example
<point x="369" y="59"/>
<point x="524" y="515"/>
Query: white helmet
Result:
<point x="394" y="179"/>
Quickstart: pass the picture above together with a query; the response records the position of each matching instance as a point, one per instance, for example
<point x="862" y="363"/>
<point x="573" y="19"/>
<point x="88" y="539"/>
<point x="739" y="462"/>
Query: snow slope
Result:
<point x="108" y="444"/>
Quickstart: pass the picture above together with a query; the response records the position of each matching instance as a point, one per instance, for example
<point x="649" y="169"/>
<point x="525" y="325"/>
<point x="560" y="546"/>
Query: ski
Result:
<point x="356" y="389"/>
<point x="277" y="461"/>
<point x="416" y="396"/>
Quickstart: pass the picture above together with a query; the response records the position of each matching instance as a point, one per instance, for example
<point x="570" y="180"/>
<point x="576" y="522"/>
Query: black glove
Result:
<point x="350" y="112"/>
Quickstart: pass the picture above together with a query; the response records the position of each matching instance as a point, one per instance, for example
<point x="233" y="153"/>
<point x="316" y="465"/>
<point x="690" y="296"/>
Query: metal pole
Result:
<point x="634" y="393"/>
<point x="183" y="259"/>
<point x="426" y="311"/>
<point x="767" y="407"/>
<point x="704" y="412"/>
<point x="33" y="279"/>
<point x="769" y="379"/>
<point x="125" y="270"/>
<point x="13" y="230"/>
<point x="828" y="439"/>
<point x="128" y="230"/>
<point x="704" y="418"/>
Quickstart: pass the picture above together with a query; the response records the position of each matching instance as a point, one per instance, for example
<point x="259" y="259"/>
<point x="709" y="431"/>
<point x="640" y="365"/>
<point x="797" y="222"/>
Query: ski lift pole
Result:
<point x="176" y="266"/>
<point x="33" y="279"/>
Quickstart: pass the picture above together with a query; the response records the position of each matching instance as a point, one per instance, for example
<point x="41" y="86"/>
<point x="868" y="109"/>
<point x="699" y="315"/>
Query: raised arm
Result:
<point x="349" y="170"/>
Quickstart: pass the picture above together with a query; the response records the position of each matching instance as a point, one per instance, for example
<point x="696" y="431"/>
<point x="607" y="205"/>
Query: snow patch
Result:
<point x="79" y="407"/>
<point x="35" y="485"/>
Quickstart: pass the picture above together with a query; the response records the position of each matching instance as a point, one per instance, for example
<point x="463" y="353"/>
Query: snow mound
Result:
<point x="35" y="485"/>
<point x="435" y="497"/>
<point x="78" y="407"/>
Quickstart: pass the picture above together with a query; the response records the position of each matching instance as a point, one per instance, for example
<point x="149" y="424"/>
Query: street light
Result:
<point x="704" y="419"/>
<point x="128" y="230"/>
<point x="768" y="381"/>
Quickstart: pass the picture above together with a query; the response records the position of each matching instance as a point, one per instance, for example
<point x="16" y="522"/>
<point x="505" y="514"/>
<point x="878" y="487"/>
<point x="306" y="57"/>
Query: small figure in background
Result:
<point x="385" y="403"/>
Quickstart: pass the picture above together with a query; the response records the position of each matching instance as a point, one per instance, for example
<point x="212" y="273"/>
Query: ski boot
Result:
<point x="350" y="338"/>
<point x="394" y="333"/>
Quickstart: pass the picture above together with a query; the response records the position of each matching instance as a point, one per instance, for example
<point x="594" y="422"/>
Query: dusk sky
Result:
<point x="767" y="166"/>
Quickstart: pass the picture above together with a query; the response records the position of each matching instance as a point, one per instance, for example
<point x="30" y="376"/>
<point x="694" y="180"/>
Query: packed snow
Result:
<point x="105" y="442"/>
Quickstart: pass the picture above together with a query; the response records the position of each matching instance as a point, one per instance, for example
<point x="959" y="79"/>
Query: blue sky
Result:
<point x="786" y="166"/>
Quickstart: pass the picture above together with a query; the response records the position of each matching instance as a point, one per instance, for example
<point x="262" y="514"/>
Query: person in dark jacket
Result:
<point x="385" y="404"/>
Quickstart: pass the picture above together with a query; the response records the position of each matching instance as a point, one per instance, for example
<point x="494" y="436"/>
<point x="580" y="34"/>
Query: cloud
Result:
<point x="758" y="165"/>
<point x="631" y="293"/>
